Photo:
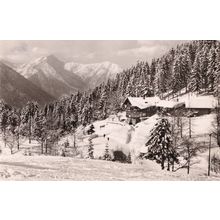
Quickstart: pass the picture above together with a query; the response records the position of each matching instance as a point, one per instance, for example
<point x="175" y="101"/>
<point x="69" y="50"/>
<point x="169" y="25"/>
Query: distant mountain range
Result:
<point x="47" y="78"/>
<point x="58" y="78"/>
<point x="17" y="91"/>
<point x="94" y="74"/>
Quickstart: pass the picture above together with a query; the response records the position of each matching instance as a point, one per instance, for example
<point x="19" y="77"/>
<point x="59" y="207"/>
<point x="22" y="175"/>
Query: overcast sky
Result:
<point x="124" y="53"/>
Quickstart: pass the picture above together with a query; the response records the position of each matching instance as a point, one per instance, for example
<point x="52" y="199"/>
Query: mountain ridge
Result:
<point x="51" y="70"/>
<point x="17" y="91"/>
<point x="94" y="73"/>
<point x="59" y="78"/>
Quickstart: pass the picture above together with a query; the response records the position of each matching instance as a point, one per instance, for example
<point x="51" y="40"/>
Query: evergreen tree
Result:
<point x="28" y="116"/>
<point x="103" y="98"/>
<point x="204" y="66"/>
<point x="107" y="155"/>
<point x="195" y="84"/>
<point x="217" y="71"/>
<point x="211" y="68"/>
<point x="181" y="70"/>
<point x="40" y="131"/>
<point x="160" y="146"/>
<point x="5" y="111"/>
<point x="90" y="149"/>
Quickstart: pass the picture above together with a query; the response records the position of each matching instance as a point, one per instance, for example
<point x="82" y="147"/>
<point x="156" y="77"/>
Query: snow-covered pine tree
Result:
<point x="86" y="115"/>
<point x="103" y="97"/>
<point x="107" y="155"/>
<point x="40" y="129"/>
<point x="152" y="71"/>
<point x="180" y="72"/>
<point x="204" y="65"/>
<point x="217" y="93"/>
<point x="160" y="146"/>
<point x="162" y="77"/>
<point x="176" y="77"/>
<point x="157" y="81"/>
<point x="217" y="71"/>
<point x="211" y="67"/>
<point x="28" y="113"/>
<point x="195" y="84"/>
<point x="90" y="149"/>
<point x="130" y="89"/>
<point x="4" y="115"/>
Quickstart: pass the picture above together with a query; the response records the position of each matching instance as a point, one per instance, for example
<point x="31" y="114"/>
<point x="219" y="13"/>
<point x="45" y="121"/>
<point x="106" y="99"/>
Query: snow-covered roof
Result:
<point x="169" y="104"/>
<point x="139" y="102"/>
<point x="143" y="103"/>
<point x="209" y="102"/>
<point x="206" y="102"/>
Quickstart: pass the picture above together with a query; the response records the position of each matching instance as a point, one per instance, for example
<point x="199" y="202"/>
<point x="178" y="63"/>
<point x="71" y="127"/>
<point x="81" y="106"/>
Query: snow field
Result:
<point x="121" y="136"/>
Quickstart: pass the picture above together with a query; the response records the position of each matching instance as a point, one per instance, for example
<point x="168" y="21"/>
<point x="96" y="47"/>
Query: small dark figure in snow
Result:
<point x="108" y="138"/>
<point x="91" y="129"/>
<point x="104" y="135"/>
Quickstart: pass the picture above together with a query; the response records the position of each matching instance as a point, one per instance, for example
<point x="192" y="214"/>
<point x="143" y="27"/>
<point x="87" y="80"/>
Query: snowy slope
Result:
<point x="96" y="73"/>
<point x="118" y="135"/>
<point x="19" y="167"/>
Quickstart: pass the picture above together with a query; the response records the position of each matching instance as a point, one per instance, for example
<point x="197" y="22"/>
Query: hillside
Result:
<point x="17" y="91"/>
<point x="121" y="136"/>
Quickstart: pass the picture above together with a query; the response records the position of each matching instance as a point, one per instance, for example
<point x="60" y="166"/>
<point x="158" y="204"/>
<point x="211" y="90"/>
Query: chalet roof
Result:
<point x="169" y="104"/>
<point x="147" y="102"/>
<point x="203" y="102"/>
<point x="139" y="102"/>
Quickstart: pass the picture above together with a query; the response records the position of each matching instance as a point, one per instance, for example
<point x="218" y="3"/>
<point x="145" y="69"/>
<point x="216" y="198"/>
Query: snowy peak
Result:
<point x="57" y="78"/>
<point x="49" y="74"/>
<point x="45" y="64"/>
<point x="95" y="73"/>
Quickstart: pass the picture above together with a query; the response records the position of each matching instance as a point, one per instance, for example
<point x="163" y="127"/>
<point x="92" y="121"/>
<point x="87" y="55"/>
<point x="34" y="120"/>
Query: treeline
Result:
<point x="193" y="65"/>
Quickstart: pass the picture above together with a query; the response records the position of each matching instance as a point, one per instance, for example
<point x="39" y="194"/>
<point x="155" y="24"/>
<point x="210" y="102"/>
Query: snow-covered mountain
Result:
<point x="94" y="74"/>
<point x="17" y="91"/>
<point x="49" y="74"/>
<point x="58" y="78"/>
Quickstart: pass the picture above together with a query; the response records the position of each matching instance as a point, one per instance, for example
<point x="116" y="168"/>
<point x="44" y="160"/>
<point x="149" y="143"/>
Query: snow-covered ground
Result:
<point x="119" y="135"/>
<point x="63" y="168"/>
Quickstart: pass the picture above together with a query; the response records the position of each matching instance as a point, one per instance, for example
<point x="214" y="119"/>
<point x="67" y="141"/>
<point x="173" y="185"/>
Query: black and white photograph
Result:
<point x="110" y="110"/>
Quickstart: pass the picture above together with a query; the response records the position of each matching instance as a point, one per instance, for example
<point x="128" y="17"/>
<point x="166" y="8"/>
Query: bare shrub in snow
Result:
<point x="188" y="149"/>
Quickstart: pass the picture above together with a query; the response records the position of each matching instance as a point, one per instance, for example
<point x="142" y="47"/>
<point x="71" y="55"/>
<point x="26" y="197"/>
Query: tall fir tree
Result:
<point x="211" y="67"/>
<point x="160" y="146"/>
